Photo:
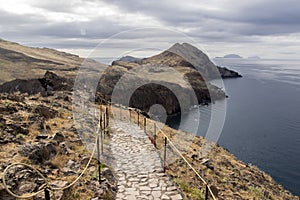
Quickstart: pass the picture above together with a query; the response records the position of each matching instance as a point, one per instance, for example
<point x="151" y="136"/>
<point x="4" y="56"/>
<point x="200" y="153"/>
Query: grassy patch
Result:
<point x="20" y="136"/>
<point x="103" y="166"/>
<point x="193" y="193"/>
<point x="257" y="192"/>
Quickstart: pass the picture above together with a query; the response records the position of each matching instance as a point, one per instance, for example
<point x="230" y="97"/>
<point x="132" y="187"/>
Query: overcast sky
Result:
<point x="265" y="28"/>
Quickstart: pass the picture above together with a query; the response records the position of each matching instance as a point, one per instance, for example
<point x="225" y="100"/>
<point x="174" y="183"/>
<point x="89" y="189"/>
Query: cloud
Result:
<point x="280" y="16"/>
<point x="82" y="24"/>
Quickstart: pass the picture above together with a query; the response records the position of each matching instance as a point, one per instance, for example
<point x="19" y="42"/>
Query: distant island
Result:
<point x="231" y="56"/>
<point x="254" y="58"/>
<point x="129" y="59"/>
<point x="37" y="123"/>
<point x="236" y="56"/>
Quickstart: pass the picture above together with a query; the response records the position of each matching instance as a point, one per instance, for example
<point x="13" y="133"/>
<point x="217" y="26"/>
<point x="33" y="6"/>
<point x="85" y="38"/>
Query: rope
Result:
<point x="46" y="184"/>
<point x="180" y="154"/>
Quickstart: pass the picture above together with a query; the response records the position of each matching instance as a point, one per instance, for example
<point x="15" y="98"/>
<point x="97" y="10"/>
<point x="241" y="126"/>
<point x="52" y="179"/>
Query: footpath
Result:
<point x="138" y="165"/>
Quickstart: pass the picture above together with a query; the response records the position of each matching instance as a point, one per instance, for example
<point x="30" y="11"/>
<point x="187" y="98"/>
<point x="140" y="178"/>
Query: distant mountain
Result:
<point x="232" y="56"/>
<point x="254" y="58"/>
<point x="129" y="59"/>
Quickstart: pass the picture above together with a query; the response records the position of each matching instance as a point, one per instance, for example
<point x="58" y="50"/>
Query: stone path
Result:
<point x="138" y="165"/>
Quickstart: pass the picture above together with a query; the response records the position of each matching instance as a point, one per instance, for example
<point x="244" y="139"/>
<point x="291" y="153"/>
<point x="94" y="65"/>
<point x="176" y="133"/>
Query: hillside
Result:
<point x="37" y="125"/>
<point x="21" y="62"/>
<point x="186" y="64"/>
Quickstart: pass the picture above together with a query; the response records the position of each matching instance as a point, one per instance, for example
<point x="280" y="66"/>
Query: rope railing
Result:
<point x="102" y="128"/>
<point x="167" y="139"/>
<point x="46" y="187"/>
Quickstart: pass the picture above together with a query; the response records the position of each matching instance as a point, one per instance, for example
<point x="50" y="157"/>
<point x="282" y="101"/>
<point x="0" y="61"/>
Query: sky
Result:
<point x="265" y="28"/>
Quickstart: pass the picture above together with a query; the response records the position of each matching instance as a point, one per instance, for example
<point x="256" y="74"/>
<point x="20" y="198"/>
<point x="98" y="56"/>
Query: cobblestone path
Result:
<point x="138" y="165"/>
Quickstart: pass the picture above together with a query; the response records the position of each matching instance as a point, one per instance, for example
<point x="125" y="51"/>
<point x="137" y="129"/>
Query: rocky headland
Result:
<point x="43" y="70"/>
<point x="37" y="125"/>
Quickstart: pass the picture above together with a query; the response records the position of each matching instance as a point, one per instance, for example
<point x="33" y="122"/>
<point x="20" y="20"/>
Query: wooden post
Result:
<point x="98" y="158"/>
<point x="154" y="134"/>
<point x="104" y="123"/>
<point x="107" y="117"/>
<point x="206" y="192"/>
<point x="145" y="121"/>
<point x="101" y="127"/>
<point x="165" y="154"/>
<point x="47" y="194"/>
<point x="101" y="136"/>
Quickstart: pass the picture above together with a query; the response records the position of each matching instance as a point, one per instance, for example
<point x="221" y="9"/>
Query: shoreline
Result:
<point x="230" y="176"/>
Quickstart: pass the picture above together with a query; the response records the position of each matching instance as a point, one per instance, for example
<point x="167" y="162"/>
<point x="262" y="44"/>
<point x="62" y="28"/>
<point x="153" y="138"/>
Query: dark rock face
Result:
<point x="146" y="96"/>
<point x="227" y="73"/>
<point x="38" y="153"/>
<point x="45" y="112"/>
<point x="24" y="86"/>
<point x="50" y="82"/>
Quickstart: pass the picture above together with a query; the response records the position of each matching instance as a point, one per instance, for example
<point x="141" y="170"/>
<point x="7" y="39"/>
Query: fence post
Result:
<point x="165" y="154"/>
<point x="98" y="158"/>
<point x="138" y="121"/>
<point x="206" y="192"/>
<point x="107" y="116"/>
<point x="101" y="136"/>
<point x="154" y="136"/>
<point x="47" y="194"/>
<point x="145" y="121"/>
<point x="104" y="122"/>
<point x="101" y="127"/>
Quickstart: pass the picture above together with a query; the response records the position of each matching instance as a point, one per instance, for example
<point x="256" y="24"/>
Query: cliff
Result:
<point x="228" y="177"/>
<point x="39" y="131"/>
<point x="41" y="70"/>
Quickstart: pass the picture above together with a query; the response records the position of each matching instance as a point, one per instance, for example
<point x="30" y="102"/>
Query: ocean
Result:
<point x="262" y="125"/>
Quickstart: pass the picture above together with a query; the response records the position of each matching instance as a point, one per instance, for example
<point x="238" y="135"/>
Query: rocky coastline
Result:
<point x="36" y="123"/>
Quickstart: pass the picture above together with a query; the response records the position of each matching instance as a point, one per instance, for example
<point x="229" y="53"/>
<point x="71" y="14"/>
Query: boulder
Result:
<point x="46" y="112"/>
<point x="59" y="137"/>
<point x="38" y="153"/>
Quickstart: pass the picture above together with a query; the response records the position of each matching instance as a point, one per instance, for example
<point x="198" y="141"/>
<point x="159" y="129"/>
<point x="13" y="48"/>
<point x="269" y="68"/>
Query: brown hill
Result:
<point x="25" y="67"/>
<point x="21" y="62"/>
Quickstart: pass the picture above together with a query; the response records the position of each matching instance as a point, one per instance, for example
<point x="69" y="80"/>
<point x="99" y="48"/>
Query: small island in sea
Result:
<point x="37" y="128"/>
<point x="232" y="56"/>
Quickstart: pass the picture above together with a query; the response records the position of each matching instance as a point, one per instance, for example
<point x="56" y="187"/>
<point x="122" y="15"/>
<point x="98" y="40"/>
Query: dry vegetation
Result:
<point x="71" y="156"/>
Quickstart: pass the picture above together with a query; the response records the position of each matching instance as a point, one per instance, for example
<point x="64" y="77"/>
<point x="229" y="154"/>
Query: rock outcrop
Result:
<point x="194" y="67"/>
<point x="57" y="151"/>
<point x="50" y="82"/>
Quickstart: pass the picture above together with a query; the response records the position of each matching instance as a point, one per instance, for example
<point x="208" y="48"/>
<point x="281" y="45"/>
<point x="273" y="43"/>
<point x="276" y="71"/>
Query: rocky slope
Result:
<point x="39" y="131"/>
<point x="228" y="177"/>
<point x="38" y="128"/>
<point x="21" y="62"/>
<point x="195" y="71"/>
<point x="29" y="67"/>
